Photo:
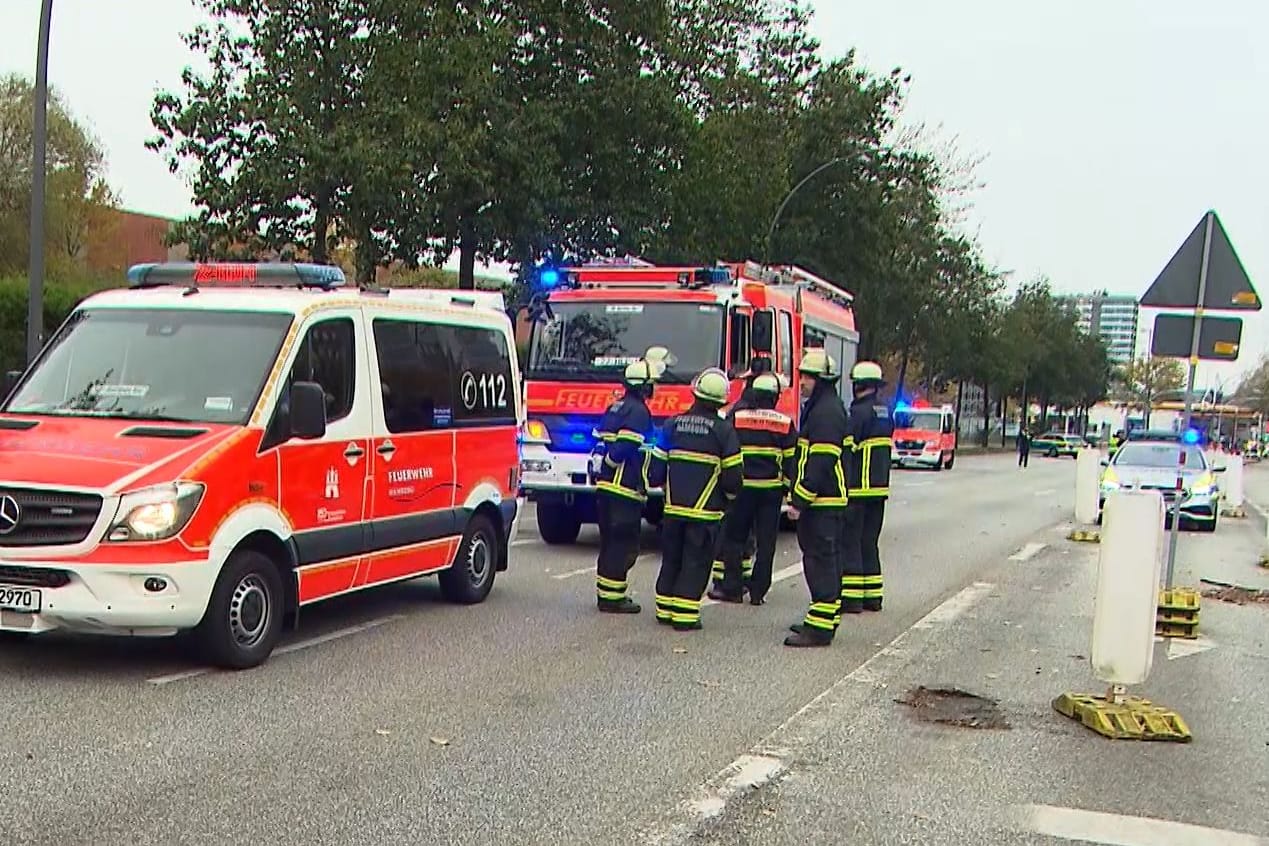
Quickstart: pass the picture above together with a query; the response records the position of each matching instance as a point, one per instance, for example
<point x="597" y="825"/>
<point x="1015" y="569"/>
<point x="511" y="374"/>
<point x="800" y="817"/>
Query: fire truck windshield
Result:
<point x="594" y="341"/>
<point x="930" y="421"/>
<point x="187" y="365"/>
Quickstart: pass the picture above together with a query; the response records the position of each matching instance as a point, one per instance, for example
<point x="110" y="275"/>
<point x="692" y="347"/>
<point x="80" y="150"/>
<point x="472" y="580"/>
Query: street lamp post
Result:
<point x="775" y="220"/>
<point x="35" y="294"/>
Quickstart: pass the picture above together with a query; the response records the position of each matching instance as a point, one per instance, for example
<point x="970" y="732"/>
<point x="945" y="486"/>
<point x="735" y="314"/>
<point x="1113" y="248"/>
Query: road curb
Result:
<point x="772" y="758"/>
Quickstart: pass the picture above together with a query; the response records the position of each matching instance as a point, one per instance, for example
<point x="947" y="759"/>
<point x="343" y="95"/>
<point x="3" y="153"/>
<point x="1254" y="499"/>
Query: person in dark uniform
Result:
<point x="1024" y="446"/>
<point x="818" y="497"/>
<point x="621" y="464"/>
<point x="768" y="443"/>
<point x="867" y="456"/>
<point x="759" y="365"/>
<point x="700" y="458"/>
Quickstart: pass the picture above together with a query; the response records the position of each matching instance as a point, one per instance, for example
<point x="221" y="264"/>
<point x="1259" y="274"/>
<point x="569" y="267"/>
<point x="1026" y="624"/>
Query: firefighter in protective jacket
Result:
<point x="818" y="497"/>
<point x="702" y="472"/>
<point x="621" y="465"/>
<point x="768" y="444"/>
<point x="759" y="365"/>
<point x="866" y="455"/>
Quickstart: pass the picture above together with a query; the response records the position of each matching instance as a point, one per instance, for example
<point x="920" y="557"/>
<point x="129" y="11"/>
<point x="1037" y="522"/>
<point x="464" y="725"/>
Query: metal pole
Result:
<point x="1189" y="401"/>
<point x="39" y="158"/>
<point x="766" y="259"/>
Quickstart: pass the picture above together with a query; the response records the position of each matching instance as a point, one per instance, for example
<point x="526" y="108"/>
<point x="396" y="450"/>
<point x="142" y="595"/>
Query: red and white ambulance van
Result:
<point x="220" y="445"/>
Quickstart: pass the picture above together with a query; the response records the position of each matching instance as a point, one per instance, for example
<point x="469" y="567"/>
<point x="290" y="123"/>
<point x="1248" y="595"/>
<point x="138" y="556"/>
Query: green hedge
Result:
<point x="59" y="300"/>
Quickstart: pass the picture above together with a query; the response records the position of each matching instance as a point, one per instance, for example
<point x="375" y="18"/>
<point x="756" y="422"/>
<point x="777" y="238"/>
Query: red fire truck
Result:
<point x="589" y="322"/>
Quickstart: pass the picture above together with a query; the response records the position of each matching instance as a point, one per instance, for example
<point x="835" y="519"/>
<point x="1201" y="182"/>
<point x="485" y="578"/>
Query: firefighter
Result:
<point x="1116" y="441"/>
<point x="759" y="365"/>
<point x="818" y="497"/>
<point x="768" y="444"/>
<point x="702" y="467"/>
<point x="866" y="455"/>
<point x="621" y="465"/>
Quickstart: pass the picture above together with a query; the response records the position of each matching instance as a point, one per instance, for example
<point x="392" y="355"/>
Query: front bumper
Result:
<point x="545" y="472"/>
<point x="109" y="598"/>
<point x="916" y="457"/>
<point x="1197" y="508"/>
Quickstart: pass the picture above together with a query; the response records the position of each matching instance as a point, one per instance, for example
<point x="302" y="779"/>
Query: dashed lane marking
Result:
<point x="1122" y="830"/>
<point x="776" y="577"/>
<point x="769" y="761"/>
<point x="1046" y="492"/>
<point x="1028" y="551"/>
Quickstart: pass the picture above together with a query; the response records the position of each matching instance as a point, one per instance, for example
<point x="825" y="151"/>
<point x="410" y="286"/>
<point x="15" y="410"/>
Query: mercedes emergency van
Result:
<point x="216" y="446"/>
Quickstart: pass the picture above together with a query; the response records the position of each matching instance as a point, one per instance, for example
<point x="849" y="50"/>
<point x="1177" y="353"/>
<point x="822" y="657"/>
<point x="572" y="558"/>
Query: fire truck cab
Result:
<point x="587" y="323"/>
<point x="924" y="435"/>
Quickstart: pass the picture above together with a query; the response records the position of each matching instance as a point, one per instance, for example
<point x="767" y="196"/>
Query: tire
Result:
<point x="1051" y="453"/>
<point x="939" y="465"/>
<point x="951" y="459"/>
<point x="558" y="524"/>
<point x="471" y="577"/>
<point x="1204" y="526"/>
<point x="243" y="620"/>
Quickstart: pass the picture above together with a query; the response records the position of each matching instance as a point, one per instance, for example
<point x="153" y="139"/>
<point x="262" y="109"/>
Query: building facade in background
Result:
<point x="1112" y="317"/>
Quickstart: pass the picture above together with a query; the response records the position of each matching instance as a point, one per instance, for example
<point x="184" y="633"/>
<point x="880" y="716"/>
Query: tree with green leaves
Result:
<point x="1142" y="382"/>
<point x="76" y="189"/>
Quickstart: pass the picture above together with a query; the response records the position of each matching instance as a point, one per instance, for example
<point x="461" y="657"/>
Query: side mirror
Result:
<point x="11" y="379"/>
<point x="1105" y="462"/>
<point x="762" y="331"/>
<point x="308" y="411"/>
<point x="1219" y="469"/>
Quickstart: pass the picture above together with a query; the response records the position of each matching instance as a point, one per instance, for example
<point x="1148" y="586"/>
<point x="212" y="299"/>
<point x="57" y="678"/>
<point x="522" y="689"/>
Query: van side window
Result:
<point x="414" y="375"/>
<point x="328" y="356"/>
<point x="739" y="340"/>
<point x="785" y="341"/>
<point x="482" y="386"/>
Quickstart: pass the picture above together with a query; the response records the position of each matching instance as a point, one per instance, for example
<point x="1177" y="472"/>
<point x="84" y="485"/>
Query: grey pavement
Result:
<point x="395" y="718"/>
<point x="878" y="775"/>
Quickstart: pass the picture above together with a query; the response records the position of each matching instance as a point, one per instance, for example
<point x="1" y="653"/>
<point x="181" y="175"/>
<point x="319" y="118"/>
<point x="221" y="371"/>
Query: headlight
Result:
<point x="1110" y="485"/>
<point x="156" y="513"/>
<point x="535" y="432"/>
<point x="1202" y="490"/>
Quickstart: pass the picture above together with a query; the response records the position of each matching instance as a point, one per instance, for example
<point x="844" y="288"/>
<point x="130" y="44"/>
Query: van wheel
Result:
<point x="939" y="465"/>
<point x="243" y="620"/>
<point x="558" y="524"/>
<point x="470" y="578"/>
<point x="951" y="459"/>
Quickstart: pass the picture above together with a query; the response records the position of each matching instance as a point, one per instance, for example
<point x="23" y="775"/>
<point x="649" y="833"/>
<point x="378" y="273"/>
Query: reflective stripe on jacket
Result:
<point x="699" y="459"/>
<point x="623" y="436"/>
<point x="869" y="443"/>
<point x="819" y="481"/>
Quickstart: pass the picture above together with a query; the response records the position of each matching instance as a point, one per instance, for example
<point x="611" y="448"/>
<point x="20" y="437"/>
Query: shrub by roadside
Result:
<point x="60" y="298"/>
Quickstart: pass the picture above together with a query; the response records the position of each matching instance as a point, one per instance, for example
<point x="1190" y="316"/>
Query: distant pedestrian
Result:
<point x="1024" y="446"/>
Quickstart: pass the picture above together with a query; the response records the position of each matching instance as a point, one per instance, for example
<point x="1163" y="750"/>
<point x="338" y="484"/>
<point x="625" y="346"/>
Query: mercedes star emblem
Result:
<point x="10" y="514"/>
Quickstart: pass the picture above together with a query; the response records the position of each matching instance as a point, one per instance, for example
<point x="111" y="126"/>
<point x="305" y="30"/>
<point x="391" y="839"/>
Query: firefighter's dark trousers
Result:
<point x="687" y="550"/>
<point x="620" y="520"/>
<point x="819" y="532"/>
<point x="746" y="559"/>
<point x="756" y="514"/>
<point x="861" y="557"/>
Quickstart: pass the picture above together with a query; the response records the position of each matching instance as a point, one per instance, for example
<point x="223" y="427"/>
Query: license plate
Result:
<point x="23" y="599"/>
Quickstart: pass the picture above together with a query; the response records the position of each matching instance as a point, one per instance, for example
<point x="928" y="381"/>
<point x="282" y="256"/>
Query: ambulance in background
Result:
<point x="588" y="322"/>
<point x="924" y="435"/>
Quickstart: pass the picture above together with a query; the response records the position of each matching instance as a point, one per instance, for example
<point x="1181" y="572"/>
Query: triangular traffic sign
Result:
<point x="1229" y="287"/>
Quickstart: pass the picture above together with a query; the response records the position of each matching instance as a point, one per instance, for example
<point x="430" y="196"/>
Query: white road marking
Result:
<point x="1178" y="648"/>
<point x="770" y="760"/>
<point x="1046" y="492"/>
<point x="913" y="484"/>
<point x="776" y="577"/>
<point x="291" y="647"/>
<point x="1027" y="551"/>
<point x="580" y="571"/>
<point x="524" y="541"/>
<point x="1121" y="830"/>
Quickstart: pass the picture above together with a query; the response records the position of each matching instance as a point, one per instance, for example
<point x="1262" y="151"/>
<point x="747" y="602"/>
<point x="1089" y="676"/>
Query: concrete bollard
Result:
<point x="1088" y="471"/>
<point x="1127" y="601"/>
<point x="1232" y="484"/>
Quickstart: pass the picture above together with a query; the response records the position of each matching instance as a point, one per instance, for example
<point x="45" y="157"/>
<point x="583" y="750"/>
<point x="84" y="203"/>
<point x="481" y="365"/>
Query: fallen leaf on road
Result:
<point x="680" y="650"/>
<point x="993" y="675"/>
<point x="707" y="683"/>
<point x="383" y="732"/>
<point x="1079" y="657"/>
<point x="439" y="741"/>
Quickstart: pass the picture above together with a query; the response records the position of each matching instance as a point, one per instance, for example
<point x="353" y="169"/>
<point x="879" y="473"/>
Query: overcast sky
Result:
<point x="1108" y="127"/>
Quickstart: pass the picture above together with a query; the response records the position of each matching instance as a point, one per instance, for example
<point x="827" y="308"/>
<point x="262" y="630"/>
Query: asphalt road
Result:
<point x="876" y="771"/>
<point x="392" y="717"/>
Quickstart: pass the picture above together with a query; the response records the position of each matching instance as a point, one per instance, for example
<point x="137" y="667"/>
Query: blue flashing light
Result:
<point x="236" y="275"/>
<point x="1191" y="436"/>
<point x="549" y="277"/>
<point x="902" y="405"/>
<point x="713" y="275"/>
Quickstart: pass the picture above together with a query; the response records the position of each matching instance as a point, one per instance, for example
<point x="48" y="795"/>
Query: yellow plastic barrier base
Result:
<point x="1132" y="719"/>
<point x="1238" y="512"/>
<point x="1085" y="536"/>
<point x="1178" y="613"/>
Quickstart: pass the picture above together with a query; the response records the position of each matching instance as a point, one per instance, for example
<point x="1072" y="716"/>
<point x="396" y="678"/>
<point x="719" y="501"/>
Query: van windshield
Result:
<point x="931" y="421"/>
<point x="594" y="341"/>
<point x="186" y="365"/>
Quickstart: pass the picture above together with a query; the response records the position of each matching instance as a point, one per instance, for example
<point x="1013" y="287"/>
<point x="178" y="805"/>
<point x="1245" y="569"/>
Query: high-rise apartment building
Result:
<point x="1112" y="317"/>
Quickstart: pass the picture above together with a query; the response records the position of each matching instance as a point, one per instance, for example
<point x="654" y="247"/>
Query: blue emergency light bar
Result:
<point x="236" y="275"/>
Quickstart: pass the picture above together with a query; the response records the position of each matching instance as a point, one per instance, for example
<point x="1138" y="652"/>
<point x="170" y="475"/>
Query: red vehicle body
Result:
<point x="924" y="435"/>
<point x="603" y="317"/>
